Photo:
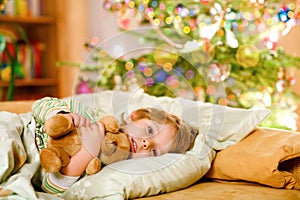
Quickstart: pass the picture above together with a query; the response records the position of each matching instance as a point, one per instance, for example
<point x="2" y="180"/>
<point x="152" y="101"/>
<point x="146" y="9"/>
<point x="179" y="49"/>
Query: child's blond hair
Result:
<point x="186" y="134"/>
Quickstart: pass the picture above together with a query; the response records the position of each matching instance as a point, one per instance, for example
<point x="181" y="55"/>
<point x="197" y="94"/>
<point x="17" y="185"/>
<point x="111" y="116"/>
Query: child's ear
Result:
<point x="132" y="116"/>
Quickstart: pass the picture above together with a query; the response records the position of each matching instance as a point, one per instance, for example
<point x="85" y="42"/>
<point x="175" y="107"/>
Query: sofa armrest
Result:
<point x="16" y="106"/>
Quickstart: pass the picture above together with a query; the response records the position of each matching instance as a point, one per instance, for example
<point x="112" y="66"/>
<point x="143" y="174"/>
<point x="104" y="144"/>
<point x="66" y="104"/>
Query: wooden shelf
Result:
<point x="39" y="30"/>
<point x="28" y="20"/>
<point x="31" y="82"/>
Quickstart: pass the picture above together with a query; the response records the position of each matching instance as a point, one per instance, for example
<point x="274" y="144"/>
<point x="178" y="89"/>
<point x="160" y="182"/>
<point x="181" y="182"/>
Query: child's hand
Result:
<point x="78" y="120"/>
<point x="92" y="138"/>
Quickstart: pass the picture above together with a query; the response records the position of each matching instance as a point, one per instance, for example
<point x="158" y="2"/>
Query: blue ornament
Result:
<point x="283" y="14"/>
<point x="161" y="76"/>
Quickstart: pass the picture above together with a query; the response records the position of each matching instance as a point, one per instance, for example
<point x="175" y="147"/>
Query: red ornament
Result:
<point x="205" y="1"/>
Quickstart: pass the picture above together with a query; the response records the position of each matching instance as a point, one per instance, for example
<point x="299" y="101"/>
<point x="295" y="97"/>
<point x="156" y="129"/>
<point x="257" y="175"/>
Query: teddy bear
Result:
<point x="64" y="141"/>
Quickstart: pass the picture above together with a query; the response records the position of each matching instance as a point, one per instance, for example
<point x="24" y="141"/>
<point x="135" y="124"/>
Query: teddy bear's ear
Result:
<point x="58" y="126"/>
<point x="115" y="147"/>
<point x="110" y="123"/>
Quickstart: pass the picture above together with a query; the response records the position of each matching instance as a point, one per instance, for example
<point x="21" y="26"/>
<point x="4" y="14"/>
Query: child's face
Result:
<point x="149" y="138"/>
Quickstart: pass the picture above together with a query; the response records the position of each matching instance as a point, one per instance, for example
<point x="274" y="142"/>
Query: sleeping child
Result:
<point x="151" y="132"/>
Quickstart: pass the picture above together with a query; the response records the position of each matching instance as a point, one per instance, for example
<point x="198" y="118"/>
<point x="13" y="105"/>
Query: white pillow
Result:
<point x="221" y="125"/>
<point x="130" y="179"/>
<point x="219" y="128"/>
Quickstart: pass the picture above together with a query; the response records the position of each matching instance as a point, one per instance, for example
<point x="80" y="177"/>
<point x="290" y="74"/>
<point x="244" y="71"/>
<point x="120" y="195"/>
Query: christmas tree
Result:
<point x="223" y="52"/>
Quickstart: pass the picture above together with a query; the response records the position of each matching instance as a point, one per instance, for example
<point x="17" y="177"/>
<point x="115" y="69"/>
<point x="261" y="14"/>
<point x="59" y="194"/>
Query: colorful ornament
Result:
<point x="205" y="1"/>
<point x="129" y="18"/>
<point x="181" y="10"/>
<point x="160" y="76"/>
<point x="190" y="74"/>
<point x="84" y="88"/>
<point x="247" y="55"/>
<point x="284" y="14"/>
<point x="220" y="32"/>
<point x="149" y="82"/>
<point x="172" y="81"/>
<point x="165" y="54"/>
<point x="218" y="72"/>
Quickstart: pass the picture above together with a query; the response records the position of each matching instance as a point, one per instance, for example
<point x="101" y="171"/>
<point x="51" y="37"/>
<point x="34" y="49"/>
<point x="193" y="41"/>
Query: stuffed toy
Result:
<point x="64" y="141"/>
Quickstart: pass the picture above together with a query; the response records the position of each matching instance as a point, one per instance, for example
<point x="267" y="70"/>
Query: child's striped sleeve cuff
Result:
<point x="56" y="183"/>
<point x="46" y="107"/>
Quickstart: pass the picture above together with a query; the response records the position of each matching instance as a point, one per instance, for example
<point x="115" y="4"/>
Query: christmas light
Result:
<point x="204" y="46"/>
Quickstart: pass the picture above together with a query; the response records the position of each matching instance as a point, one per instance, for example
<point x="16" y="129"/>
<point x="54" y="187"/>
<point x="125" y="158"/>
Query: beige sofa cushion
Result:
<point x="261" y="157"/>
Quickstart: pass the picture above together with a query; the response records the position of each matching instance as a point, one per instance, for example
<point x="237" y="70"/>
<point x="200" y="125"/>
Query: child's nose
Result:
<point x="145" y="143"/>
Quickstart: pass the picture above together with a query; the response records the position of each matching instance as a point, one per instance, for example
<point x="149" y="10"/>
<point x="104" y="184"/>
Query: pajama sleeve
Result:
<point x="57" y="183"/>
<point x="42" y="109"/>
<point x="46" y="107"/>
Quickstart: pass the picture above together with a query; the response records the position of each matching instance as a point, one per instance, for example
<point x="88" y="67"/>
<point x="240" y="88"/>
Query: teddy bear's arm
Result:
<point x="78" y="163"/>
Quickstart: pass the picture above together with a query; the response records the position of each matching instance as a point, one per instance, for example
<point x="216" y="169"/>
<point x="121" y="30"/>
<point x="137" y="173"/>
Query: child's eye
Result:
<point x="154" y="152"/>
<point x="149" y="130"/>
